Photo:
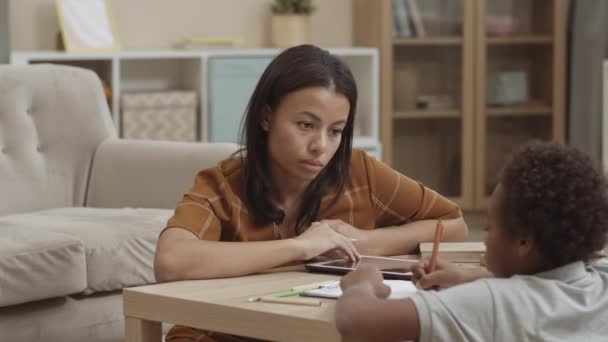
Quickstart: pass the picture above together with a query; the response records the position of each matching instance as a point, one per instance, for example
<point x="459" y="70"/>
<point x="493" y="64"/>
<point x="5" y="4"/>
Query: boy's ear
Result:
<point x="266" y="116"/>
<point x="525" y="246"/>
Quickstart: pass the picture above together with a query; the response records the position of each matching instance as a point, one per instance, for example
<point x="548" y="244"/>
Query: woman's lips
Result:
<point x="312" y="166"/>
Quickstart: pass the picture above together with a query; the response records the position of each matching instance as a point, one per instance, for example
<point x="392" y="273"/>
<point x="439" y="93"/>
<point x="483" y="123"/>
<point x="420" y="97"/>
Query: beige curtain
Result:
<point x="587" y="49"/>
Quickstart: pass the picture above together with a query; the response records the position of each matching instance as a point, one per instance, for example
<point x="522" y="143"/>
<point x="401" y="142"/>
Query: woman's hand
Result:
<point x="319" y="238"/>
<point x="333" y="254"/>
<point x="366" y="275"/>
<point x="343" y="228"/>
<point x="355" y="235"/>
<point x="445" y="275"/>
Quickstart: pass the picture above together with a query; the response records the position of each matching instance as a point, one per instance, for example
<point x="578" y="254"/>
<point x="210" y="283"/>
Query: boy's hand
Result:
<point x="446" y="274"/>
<point x="366" y="275"/>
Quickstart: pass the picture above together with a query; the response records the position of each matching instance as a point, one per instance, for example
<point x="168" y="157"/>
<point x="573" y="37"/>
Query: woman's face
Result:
<point x="305" y="131"/>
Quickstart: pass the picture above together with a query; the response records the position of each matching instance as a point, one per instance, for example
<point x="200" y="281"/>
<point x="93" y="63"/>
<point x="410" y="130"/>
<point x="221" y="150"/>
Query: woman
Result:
<point x="295" y="192"/>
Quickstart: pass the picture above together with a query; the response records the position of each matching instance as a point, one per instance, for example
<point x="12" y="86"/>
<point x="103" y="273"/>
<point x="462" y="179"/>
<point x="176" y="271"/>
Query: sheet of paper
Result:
<point x="399" y="289"/>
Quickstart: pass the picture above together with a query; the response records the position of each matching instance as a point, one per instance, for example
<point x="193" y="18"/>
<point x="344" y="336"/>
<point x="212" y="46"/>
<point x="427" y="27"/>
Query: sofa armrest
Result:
<point x="148" y="174"/>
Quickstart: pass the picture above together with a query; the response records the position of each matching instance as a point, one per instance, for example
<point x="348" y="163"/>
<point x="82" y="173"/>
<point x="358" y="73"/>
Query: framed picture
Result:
<point x="87" y="25"/>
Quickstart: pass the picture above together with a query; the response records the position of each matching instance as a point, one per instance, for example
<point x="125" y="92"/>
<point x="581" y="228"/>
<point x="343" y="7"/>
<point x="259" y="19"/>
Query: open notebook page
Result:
<point x="399" y="289"/>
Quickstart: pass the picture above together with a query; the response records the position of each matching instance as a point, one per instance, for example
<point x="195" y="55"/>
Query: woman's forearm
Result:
<point x="199" y="259"/>
<point x="399" y="240"/>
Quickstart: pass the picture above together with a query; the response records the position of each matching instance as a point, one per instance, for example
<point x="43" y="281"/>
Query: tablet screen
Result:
<point x="388" y="266"/>
<point x="395" y="265"/>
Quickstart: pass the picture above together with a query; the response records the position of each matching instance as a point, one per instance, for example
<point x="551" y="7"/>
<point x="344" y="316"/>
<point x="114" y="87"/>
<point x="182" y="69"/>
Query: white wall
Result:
<point x="158" y="24"/>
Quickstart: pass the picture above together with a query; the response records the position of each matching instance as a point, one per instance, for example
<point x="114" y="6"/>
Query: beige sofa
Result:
<point x="81" y="209"/>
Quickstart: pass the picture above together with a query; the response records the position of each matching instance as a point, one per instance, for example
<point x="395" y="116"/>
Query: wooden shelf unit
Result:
<point x="459" y="150"/>
<point x="516" y="40"/>
<point x="425" y="113"/>
<point x="519" y="110"/>
<point x="427" y="41"/>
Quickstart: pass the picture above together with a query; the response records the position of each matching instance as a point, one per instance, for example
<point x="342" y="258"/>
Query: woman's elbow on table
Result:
<point x="165" y="267"/>
<point x="169" y="261"/>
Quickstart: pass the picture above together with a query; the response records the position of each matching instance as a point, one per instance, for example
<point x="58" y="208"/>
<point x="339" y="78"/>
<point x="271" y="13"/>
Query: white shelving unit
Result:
<point x="223" y="80"/>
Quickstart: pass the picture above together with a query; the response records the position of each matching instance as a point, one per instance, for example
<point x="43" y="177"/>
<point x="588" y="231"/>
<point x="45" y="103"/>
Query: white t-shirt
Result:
<point x="569" y="303"/>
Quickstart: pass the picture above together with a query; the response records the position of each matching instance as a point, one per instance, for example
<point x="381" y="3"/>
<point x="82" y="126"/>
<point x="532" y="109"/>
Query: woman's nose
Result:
<point x="319" y="142"/>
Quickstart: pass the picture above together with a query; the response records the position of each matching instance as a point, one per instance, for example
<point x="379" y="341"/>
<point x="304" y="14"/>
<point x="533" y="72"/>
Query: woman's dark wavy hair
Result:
<point x="554" y="193"/>
<point x="296" y="68"/>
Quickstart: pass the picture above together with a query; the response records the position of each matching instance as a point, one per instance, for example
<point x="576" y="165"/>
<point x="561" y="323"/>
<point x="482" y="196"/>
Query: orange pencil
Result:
<point x="436" y="242"/>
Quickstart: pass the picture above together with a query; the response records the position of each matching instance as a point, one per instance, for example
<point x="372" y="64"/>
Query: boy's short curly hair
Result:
<point x="554" y="193"/>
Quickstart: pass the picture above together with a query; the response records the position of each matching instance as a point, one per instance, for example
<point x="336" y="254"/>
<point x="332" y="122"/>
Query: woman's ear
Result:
<point x="266" y="116"/>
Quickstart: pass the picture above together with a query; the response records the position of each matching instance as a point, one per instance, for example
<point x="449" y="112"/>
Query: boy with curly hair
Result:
<point x="547" y="219"/>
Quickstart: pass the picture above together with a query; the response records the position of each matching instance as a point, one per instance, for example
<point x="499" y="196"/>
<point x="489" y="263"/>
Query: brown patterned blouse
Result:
<point x="376" y="196"/>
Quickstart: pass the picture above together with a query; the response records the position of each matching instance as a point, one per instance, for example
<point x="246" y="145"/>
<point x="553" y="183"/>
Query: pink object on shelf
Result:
<point x="504" y="25"/>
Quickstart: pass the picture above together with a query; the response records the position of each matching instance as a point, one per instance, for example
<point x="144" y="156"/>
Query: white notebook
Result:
<point x="399" y="289"/>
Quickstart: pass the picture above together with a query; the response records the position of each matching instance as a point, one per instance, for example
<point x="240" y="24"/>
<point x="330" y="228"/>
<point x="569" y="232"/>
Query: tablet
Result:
<point x="391" y="268"/>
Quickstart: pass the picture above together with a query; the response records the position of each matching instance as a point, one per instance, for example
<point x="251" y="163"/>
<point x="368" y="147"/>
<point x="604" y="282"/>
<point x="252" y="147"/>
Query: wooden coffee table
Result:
<point x="221" y="305"/>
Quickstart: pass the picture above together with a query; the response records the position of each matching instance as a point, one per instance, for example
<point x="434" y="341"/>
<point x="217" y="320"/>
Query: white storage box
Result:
<point x="169" y="115"/>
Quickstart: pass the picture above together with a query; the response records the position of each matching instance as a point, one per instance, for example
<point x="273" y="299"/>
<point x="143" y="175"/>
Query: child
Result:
<point x="547" y="217"/>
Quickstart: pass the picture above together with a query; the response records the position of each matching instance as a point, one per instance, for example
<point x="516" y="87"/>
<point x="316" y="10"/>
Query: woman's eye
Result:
<point x="486" y="228"/>
<point x="336" y="131"/>
<point x="305" y="124"/>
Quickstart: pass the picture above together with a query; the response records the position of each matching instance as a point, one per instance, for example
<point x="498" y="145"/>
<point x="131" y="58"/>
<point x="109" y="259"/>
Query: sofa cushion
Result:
<point x="52" y="119"/>
<point x="68" y="319"/>
<point x="37" y="264"/>
<point x="119" y="243"/>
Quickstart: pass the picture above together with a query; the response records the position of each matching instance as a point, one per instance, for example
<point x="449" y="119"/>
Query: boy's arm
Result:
<point x="447" y="274"/>
<point x="362" y="316"/>
<point x="464" y="312"/>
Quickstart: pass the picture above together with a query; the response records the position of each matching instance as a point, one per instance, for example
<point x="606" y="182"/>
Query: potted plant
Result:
<point x="291" y="22"/>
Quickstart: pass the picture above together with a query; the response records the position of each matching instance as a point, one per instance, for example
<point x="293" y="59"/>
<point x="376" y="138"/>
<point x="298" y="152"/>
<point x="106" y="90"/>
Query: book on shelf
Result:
<point x="201" y="43"/>
<point x="396" y="23"/>
<point x="416" y="17"/>
<point x="455" y="251"/>
<point x="401" y="20"/>
<point x="441" y="101"/>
